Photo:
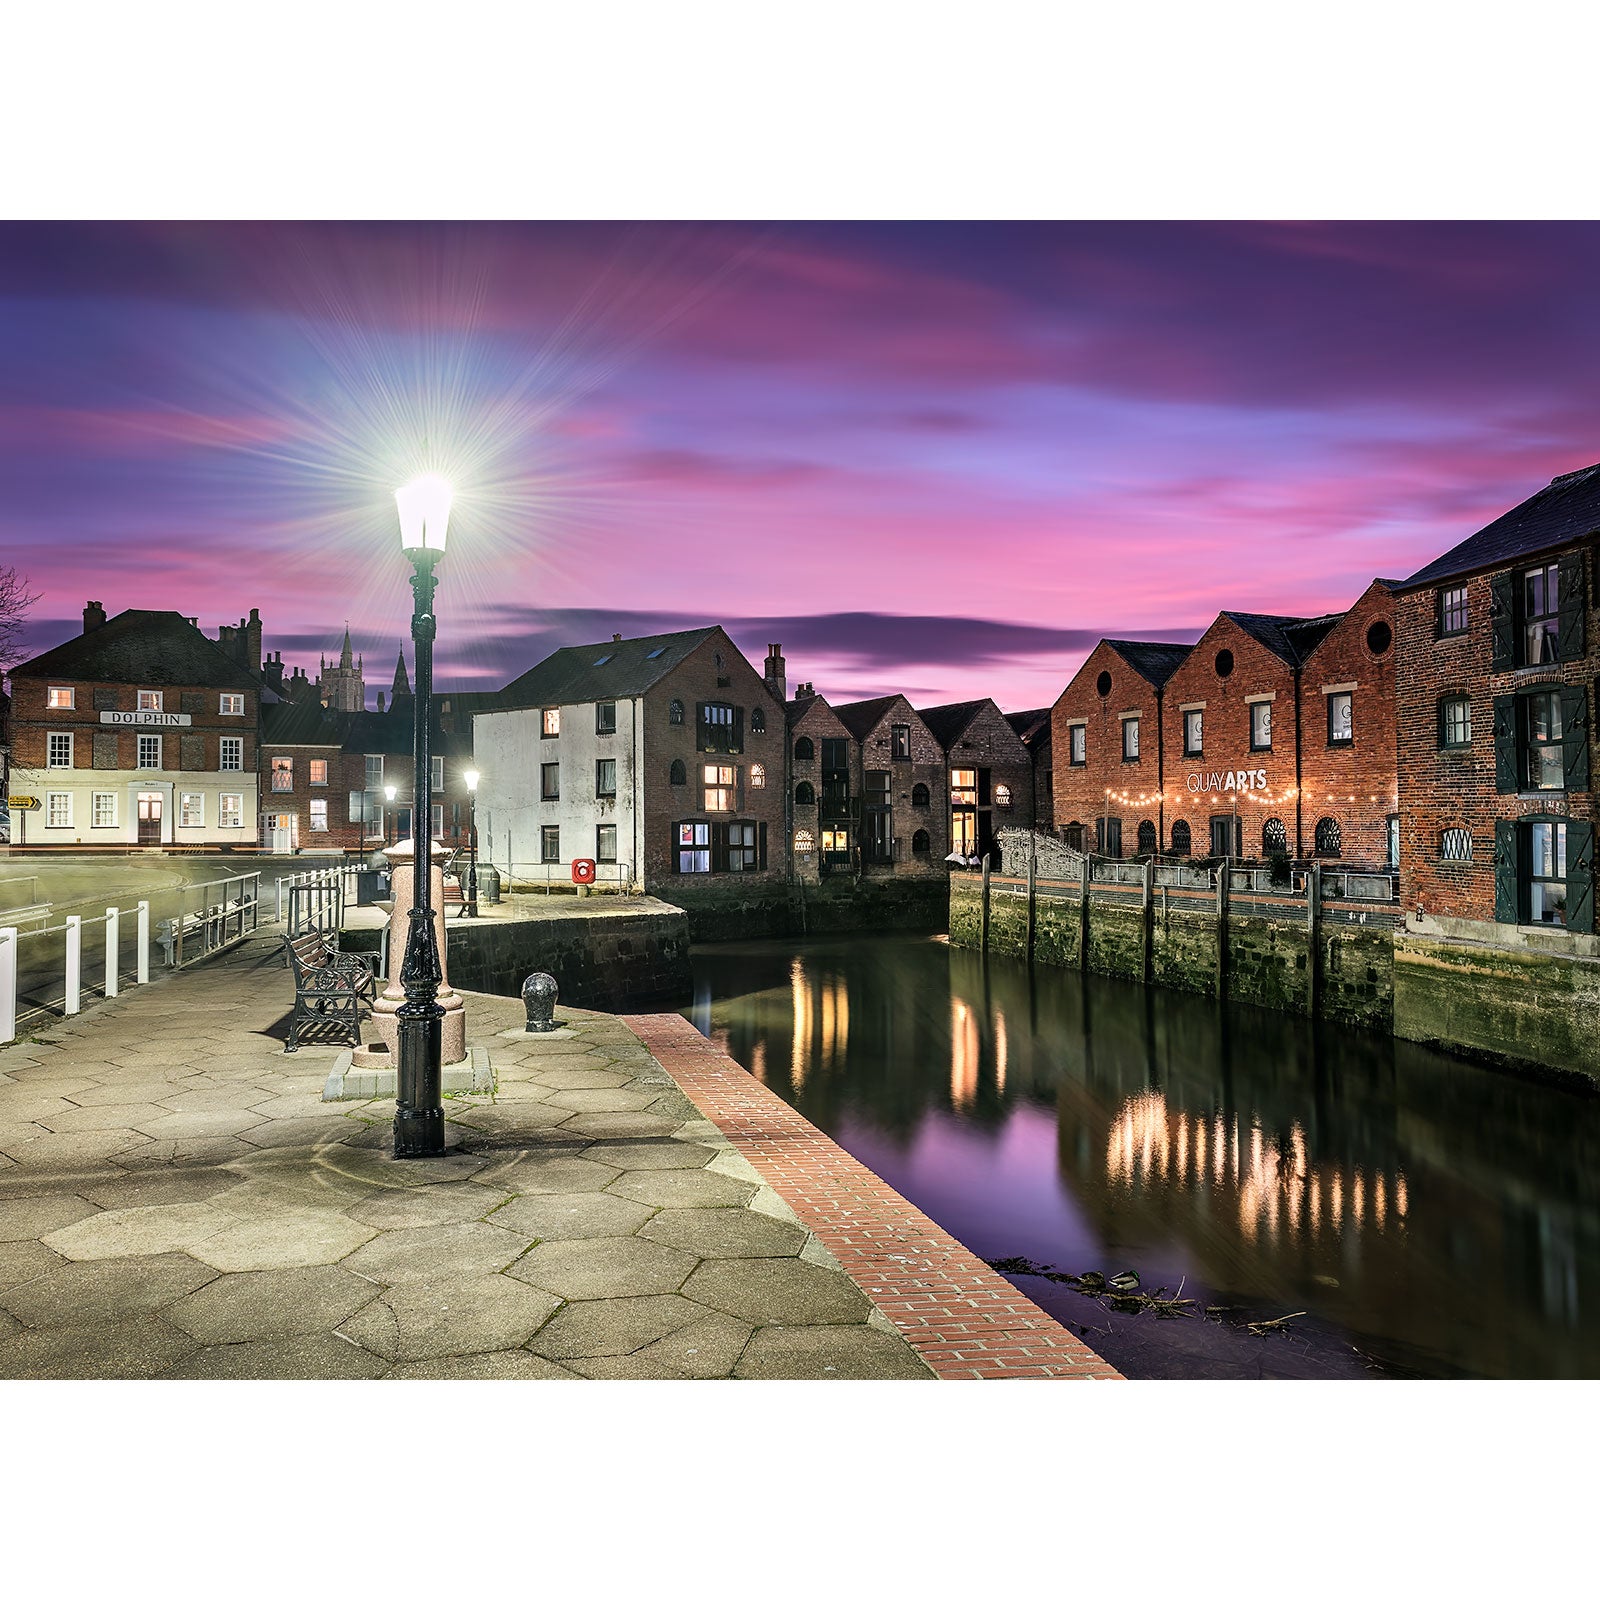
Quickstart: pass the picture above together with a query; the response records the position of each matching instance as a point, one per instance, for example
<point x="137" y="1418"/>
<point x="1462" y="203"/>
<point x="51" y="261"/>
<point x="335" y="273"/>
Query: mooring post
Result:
<point x="1083" y="912"/>
<point x="983" y="934"/>
<point x="1033" y="890"/>
<point x="1314" y="939"/>
<point x="1149" y="918"/>
<point x="1223" y="886"/>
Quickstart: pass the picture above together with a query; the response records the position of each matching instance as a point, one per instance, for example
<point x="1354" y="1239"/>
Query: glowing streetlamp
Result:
<point x="419" y="1105"/>
<point x="388" y="813"/>
<point x="471" y="778"/>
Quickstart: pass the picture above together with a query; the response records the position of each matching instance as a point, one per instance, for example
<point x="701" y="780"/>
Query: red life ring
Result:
<point x="583" y="870"/>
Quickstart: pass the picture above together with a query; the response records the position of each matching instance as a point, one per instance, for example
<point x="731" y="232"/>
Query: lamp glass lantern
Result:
<point x="424" y="513"/>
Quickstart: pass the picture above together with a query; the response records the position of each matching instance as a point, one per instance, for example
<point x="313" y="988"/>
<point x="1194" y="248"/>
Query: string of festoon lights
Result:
<point x="1269" y="798"/>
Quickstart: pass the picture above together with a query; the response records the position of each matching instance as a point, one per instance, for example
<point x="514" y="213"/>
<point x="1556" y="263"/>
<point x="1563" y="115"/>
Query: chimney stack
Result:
<point x="252" y="641"/>
<point x="616" y="638"/>
<point x="94" y="616"/>
<point x="777" y="672"/>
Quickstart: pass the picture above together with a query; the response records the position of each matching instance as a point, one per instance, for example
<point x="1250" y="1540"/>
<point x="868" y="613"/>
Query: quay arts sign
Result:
<point x="1245" y="778"/>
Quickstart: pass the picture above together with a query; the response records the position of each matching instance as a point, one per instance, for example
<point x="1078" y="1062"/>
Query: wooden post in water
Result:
<point x="983" y="937"/>
<point x="1223" y="888"/>
<point x="1149" y="919"/>
<point x="1314" y="939"/>
<point x="1033" y="891"/>
<point x="1083" y="912"/>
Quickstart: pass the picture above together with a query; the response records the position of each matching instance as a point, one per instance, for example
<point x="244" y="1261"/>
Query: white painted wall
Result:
<point x="82" y="783"/>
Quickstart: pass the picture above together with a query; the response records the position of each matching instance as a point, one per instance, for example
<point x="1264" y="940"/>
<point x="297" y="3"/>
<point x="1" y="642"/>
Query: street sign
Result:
<point x="23" y="802"/>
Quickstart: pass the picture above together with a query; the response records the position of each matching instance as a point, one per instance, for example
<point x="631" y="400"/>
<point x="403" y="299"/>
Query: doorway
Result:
<point x="149" y="819"/>
<point x="1224" y="840"/>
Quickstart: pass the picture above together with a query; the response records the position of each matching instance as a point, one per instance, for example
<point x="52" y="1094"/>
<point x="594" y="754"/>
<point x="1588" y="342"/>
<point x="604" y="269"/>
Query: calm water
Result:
<point x="1424" y="1215"/>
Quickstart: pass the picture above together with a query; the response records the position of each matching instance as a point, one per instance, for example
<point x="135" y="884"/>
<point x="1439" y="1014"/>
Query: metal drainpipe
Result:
<point x="636" y="799"/>
<point x="1161" y="778"/>
<point x="1299" y="786"/>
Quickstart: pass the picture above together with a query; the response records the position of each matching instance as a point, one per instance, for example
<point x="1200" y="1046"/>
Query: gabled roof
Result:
<point x="1565" y="510"/>
<point x="618" y="669"/>
<point x="948" y="723"/>
<point x="795" y="709"/>
<point x="154" y="648"/>
<point x="862" y="716"/>
<point x="1154" y="661"/>
<point x="1029" y="725"/>
<point x="1291" y="639"/>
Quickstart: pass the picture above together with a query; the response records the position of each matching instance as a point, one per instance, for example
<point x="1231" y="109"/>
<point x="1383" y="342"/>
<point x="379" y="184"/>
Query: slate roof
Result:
<point x="1565" y="510"/>
<point x="1030" y="724"/>
<point x="948" y="723"/>
<point x="794" y="710"/>
<point x="390" y="733"/>
<point x="1155" y="662"/>
<point x="617" y="669"/>
<point x="148" y="648"/>
<point x="301" y="722"/>
<point x="1291" y="639"/>
<point x="862" y="716"/>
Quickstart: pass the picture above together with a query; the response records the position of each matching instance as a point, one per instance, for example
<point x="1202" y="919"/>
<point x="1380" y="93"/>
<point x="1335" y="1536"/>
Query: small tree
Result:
<point x="15" y="599"/>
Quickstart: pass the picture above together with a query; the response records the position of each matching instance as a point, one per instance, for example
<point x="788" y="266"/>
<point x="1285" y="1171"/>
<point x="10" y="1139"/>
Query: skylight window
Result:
<point x="602" y="661"/>
<point x="660" y="650"/>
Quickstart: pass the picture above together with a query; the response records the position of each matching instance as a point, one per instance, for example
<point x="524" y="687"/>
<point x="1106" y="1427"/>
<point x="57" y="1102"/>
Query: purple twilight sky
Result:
<point x="939" y="458"/>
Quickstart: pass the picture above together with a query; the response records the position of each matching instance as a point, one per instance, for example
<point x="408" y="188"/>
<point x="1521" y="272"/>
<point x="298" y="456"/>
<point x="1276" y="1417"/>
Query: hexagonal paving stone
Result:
<point x="182" y="1187"/>
<point x="630" y="1369"/>
<point x="560" y="1078"/>
<point x="455" y="1316"/>
<point x="286" y="1239"/>
<point x="72" y="1152"/>
<point x="828" y="1353"/>
<point x="317" y="1355"/>
<point x="674" y="1188"/>
<point x="649" y="1156"/>
<point x="778" y="1289"/>
<point x="139" y="1347"/>
<point x="572" y="1216"/>
<point x="600" y="1099"/>
<point x="97" y="1119"/>
<point x="419" y="1255"/>
<point x="271" y="1305"/>
<point x="306" y="1132"/>
<point x="513" y="1116"/>
<point x="706" y="1348"/>
<point x="140" y="1231"/>
<point x="97" y="1291"/>
<point x="378" y="1166"/>
<point x="197" y="1124"/>
<point x="180" y="1153"/>
<point x="619" y="1125"/>
<point x="724" y="1233"/>
<point x="495" y="1364"/>
<point x="427" y="1207"/>
<point x="25" y="1260"/>
<point x="31" y="1216"/>
<point x="613" y="1327"/>
<point x="603" y="1269"/>
<point x="547" y="1172"/>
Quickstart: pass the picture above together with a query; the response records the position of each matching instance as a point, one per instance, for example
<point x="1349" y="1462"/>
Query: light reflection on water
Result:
<point x="1435" y="1215"/>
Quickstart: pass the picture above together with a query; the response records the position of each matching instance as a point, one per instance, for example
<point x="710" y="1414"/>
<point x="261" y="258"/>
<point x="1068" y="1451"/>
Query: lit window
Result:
<point x="550" y="726"/>
<point x="319" y="816"/>
<point x="758" y="775"/>
<point x="1455" y="844"/>
<point x="605" y="779"/>
<point x="550" y="780"/>
<point x="964" y="786"/>
<point x="104" y="814"/>
<point x="1193" y="732"/>
<point x="1079" y="738"/>
<point x="61" y="699"/>
<point x="231" y="756"/>
<point x="230" y="810"/>
<point x="1341" y="726"/>
<point x="836" y="841"/>
<point x="282" y="774"/>
<point x="58" y="809"/>
<point x="60" y="750"/>
<point x="192" y="810"/>
<point x="1261" y="725"/>
<point x="1002" y="794"/>
<point x="150" y="750"/>
<point x="900" y="742"/>
<point x="721" y="794"/>
<point x="1130" y="738"/>
<point x="805" y="841"/>
<point x="1455" y="722"/>
<point x="1453" y="610"/>
<point x="605" y="842"/>
<point x="549" y="844"/>
<point x="694" y="847"/>
<point x="149" y="699"/>
<point x="319" y="774"/>
<point x="605" y="716"/>
<point x="231" y="705"/>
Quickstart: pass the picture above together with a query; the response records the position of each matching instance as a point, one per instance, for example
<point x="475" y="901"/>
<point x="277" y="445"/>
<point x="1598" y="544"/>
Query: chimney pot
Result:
<point x="94" y="616"/>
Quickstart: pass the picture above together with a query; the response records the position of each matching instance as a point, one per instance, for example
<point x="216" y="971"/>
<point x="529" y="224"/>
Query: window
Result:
<point x="149" y="699"/>
<point x="900" y="741"/>
<point x="282" y="774"/>
<point x="61" y="699"/>
<point x="192" y="811"/>
<point x="1180" y="838"/>
<point x="435" y="771"/>
<point x="1224" y="663"/>
<point x="150" y="750"/>
<point x="1274" y="838"/>
<point x="1130" y="738"/>
<point x="719" y="728"/>
<point x="1193" y="732"/>
<point x="374" y="772"/>
<point x="436" y="818"/>
<point x="550" y="780"/>
<point x="1455" y="722"/>
<point x="720" y="792"/>
<point x="741" y="847"/>
<point x="231" y="756"/>
<point x="1547" y="873"/>
<point x="1261" y="725"/>
<point x="964" y="786"/>
<point x="230" y="810"/>
<point x="919" y="794"/>
<point x="1455" y="844"/>
<point x="1379" y="637"/>
<point x="58" y="809"/>
<point x="1544" y="768"/>
<point x="104" y="810"/>
<point x="605" y="842"/>
<point x="758" y="775"/>
<point x="1147" y="839"/>
<point x="804" y="750"/>
<point x="1329" y="839"/>
<point x="1341" y="729"/>
<point x="59" y="750"/>
<point x="1102" y="685"/>
<point x="550" y="722"/>
<point x="675" y="713"/>
<point x="319" y="816"/>
<point x="319" y="774"/>
<point x="694" y="847"/>
<point x="1107" y="837"/>
<point x="1078" y="739"/>
<point x="605" y="716"/>
<point x="679" y="773"/>
<point x="836" y="842"/>
<point x="1002" y="794"/>
<point x="605" y="779"/>
<point x="1453" y="610"/>
<point x="230" y="705"/>
<point x="805" y="794"/>
<point x="549" y="844"/>
<point x="1541" y="616"/>
<point x="655" y="655"/>
<point x="758" y="721"/>
<point x="921" y="844"/>
<point x="1225" y="836"/>
<point x="805" y="841"/>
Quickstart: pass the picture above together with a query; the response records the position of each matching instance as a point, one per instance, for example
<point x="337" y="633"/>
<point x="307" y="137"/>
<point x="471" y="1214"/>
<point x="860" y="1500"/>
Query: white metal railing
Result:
<point x="14" y="945"/>
<point x="615" y="877"/>
<point x="331" y="881"/>
<point x="228" y="909"/>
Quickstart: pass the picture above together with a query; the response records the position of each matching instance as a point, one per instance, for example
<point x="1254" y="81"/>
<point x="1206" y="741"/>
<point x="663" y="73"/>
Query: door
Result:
<point x="880" y="836"/>
<point x="1222" y="842"/>
<point x="149" y="819"/>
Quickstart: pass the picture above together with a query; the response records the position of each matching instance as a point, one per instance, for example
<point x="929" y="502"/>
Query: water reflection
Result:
<point x="1443" y="1216"/>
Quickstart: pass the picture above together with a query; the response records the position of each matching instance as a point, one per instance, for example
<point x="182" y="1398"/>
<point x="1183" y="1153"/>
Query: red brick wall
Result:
<point x="990" y="741"/>
<point x="926" y="766"/>
<point x="819" y="722"/>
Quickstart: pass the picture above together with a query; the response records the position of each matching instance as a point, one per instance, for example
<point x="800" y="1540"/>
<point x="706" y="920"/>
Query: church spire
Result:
<point x="402" y="684"/>
<point x="345" y="659"/>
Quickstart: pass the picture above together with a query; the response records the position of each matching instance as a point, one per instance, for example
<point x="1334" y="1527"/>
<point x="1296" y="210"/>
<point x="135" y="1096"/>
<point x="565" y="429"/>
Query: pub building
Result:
<point x="1497" y="650"/>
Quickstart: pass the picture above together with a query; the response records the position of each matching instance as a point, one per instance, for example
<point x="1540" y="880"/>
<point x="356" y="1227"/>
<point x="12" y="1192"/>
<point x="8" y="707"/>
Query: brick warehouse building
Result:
<point x="900" y="770"/>
<point x="989" y="772"/>
<point x="1498" y="648"/>
<point x="1033" y="729"/>
<point x="139" y="731"/>
<point x="824" y="781"/>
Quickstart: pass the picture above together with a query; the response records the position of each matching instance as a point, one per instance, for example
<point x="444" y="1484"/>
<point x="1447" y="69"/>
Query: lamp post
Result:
<point x="388" y="813"/>
<point x="419" y="1105"/>
<point x="471" y="907"/>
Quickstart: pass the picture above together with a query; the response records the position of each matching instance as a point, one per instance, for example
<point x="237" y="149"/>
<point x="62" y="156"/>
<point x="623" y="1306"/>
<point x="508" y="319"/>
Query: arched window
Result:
<point x="758" y="721"/>
<point x="920" y="843"/>
<point x="758" y="775"/>
<point x="1073" y="833"/>
<point x="805" y="841"/>
<point x="1328" y="838"/>
<point x="675" y="713"/>
<point x="680" y="773"/>
<point x="804" y="750"/>
<point x="804" y="794"/>
<point x="1180" y="838"/>
<point x="1147" y="838"/>
<point x="919" y="794"/>
<point x="1274" y="838"/>
<point x="1002" y="794"/>
<point x="1455" y="844"/>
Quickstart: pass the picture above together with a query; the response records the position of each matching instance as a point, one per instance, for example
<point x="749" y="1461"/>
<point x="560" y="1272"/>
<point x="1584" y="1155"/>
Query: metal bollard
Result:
<point x="113" y="922"/>
<point x="8" y="985"/>
<point x="142" y="957"/>
<point x="74" y="997"/>
<point x="539" y="997"/>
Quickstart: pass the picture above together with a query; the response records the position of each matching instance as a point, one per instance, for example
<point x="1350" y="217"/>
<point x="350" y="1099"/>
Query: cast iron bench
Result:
<point x="329" y="986"/>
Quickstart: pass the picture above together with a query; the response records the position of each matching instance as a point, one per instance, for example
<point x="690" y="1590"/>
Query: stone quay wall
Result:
<point x="730" y="908"/>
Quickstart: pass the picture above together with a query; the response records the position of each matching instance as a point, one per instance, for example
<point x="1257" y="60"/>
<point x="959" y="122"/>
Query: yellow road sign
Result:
<point x="23" y="802"/>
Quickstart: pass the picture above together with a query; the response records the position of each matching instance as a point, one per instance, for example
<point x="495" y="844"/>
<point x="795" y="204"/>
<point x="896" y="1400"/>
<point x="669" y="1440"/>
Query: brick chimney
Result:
<point x="94" y="616"/>
<point x="252" y="641"/>
<point x="777" y="672"/>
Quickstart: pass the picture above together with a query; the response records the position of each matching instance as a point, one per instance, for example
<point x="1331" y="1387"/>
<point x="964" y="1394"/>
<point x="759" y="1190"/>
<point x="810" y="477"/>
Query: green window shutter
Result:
<point x="1505" y="744"/>
<point x="1505" y="871"/>
<point x="761" y="845"/>
<point x="1502" y="623"/>
<point x="1572" y="600"/>
<point x="1575" y="736"/>
<point x="1580" y="877"/>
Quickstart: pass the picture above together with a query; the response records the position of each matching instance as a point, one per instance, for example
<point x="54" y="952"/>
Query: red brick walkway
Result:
<point x="960" y="1316"/>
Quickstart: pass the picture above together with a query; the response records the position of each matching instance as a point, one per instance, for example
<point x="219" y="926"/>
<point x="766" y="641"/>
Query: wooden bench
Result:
<point x="330" y="986"/>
